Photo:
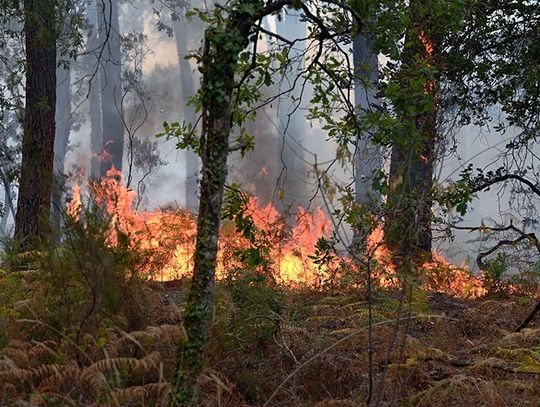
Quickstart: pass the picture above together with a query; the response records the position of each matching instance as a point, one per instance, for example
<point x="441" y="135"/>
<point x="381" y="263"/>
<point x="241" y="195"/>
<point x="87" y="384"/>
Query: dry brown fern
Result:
<point x="110" y="365"/>
<point x="336" y="403"/>
<point x="97" y="383"/>
<point x="148" y="364"/>
<point x="7" y="391"/>
<point x="41" y="352"/>
<point x="50" y="399"/>
<point x="62" y="381"/>
<point x="216" y="390"/>
<point x="6" y="363"/>
<point x="162" y="333"/>
<point x="17" y="352"/>
<point x="153" y="394"/>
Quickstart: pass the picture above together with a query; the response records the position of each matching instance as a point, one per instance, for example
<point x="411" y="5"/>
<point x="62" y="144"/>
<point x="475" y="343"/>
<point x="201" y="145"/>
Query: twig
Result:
<point x="530" y="317"/>
<point x="344" y="339"/>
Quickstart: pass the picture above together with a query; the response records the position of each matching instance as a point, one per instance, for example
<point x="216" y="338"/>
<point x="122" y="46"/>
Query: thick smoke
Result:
<point x="281" y="167"/>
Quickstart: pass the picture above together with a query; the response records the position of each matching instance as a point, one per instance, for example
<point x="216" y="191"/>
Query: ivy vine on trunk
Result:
<point x="223" y="44"/>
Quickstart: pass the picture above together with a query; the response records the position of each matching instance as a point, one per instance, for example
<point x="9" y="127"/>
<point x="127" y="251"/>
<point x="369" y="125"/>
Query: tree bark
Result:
<point x="36" y="180"/>
<point x="61" y="141"/>
<point x="367" y="159"/>
<point x="111" y="88"/>
<point x="408" y="217"/>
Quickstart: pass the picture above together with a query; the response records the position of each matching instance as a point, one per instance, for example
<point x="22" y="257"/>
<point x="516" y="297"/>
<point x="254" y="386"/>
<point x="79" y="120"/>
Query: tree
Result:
<point x="110" y="75"/>
<point x="368" y="154"/>
<point x="63" y="119"/>
<point x="292" y="176"/>
<point x="9" y="167"/>
<point x="181" y="27"/>
<point x="415" y="97"/>
<point x="224" y="96"/>
<point x="222" y="46"/>
<point x="36" y="180"/>
<point x="94" y="94"/>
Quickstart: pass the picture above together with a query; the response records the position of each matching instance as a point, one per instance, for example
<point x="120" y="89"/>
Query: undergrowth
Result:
<point x="82" y="325"/>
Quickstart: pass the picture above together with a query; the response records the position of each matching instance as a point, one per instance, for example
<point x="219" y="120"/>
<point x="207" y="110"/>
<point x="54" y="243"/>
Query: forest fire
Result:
<point x="170" y="234"/>
<point x="169" y="238"/>
<point x="437" y="274"/>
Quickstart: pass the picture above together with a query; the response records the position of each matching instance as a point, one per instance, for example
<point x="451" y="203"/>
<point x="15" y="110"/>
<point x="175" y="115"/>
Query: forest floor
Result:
<point x="284" y="347"/>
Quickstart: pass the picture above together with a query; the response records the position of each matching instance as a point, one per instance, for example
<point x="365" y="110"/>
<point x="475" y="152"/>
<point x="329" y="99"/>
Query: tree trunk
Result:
<point x="94" y="95"/>
<point x="8" y="205"/>
<point x="408" y="218"/>
<point x="292" y="176"/>
<point x="367" y="159"/>
<point x="222" y="46"/>
<point x="61" y="141"/>
<point x="36" y="180"/>
<point x="181" y="29"/>
<point x="111" y="88"/>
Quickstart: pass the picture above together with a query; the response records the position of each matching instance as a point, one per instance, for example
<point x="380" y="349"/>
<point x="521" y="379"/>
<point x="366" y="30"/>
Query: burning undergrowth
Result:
<point x="83" y="329"/>
<point x="291" y="255"/>
<point x="170" y="234"/>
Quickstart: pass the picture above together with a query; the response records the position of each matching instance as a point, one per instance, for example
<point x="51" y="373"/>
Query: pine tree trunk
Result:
<point x="36" y="180"/>
<point x="111" y="88"/>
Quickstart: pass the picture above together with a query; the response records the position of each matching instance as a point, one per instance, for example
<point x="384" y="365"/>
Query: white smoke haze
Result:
<point x="296" y="144"/>
<point x="260" y="169"/>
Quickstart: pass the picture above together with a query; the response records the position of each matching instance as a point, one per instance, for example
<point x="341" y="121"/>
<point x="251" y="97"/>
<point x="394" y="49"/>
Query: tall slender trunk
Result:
<point x="292" y="182"/>
<point x="408" y="219"/>
<point x="8" y="204"/>
<point x="36" y="180"/>
<point x="222" y="46"/>
<point x="61" y="141"/>
<point x="94" y="94"/>
<point x="5" y="213"/>
<point x="111" y="87"/>
<point x="367" y="159"/>
<point x="187" y="79"/>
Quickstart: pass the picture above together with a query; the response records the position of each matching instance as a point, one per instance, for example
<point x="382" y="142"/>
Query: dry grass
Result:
<point x="468" y="356"/>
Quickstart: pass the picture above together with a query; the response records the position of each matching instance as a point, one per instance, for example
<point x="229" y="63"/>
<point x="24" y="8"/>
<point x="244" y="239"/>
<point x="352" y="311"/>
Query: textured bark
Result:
<point x="368" y="159"/>
<point x="408" y="219"/>
<point x="36" y="180"/>
<point x="187" y="78"/>
<point x="111" y="88"/>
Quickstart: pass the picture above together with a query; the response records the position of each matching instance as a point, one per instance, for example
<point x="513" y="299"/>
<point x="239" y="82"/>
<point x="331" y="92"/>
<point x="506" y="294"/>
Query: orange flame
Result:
<point x="169" y="235"/>
<point x="427" y="43"/>
<point x="436" y="275"/>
